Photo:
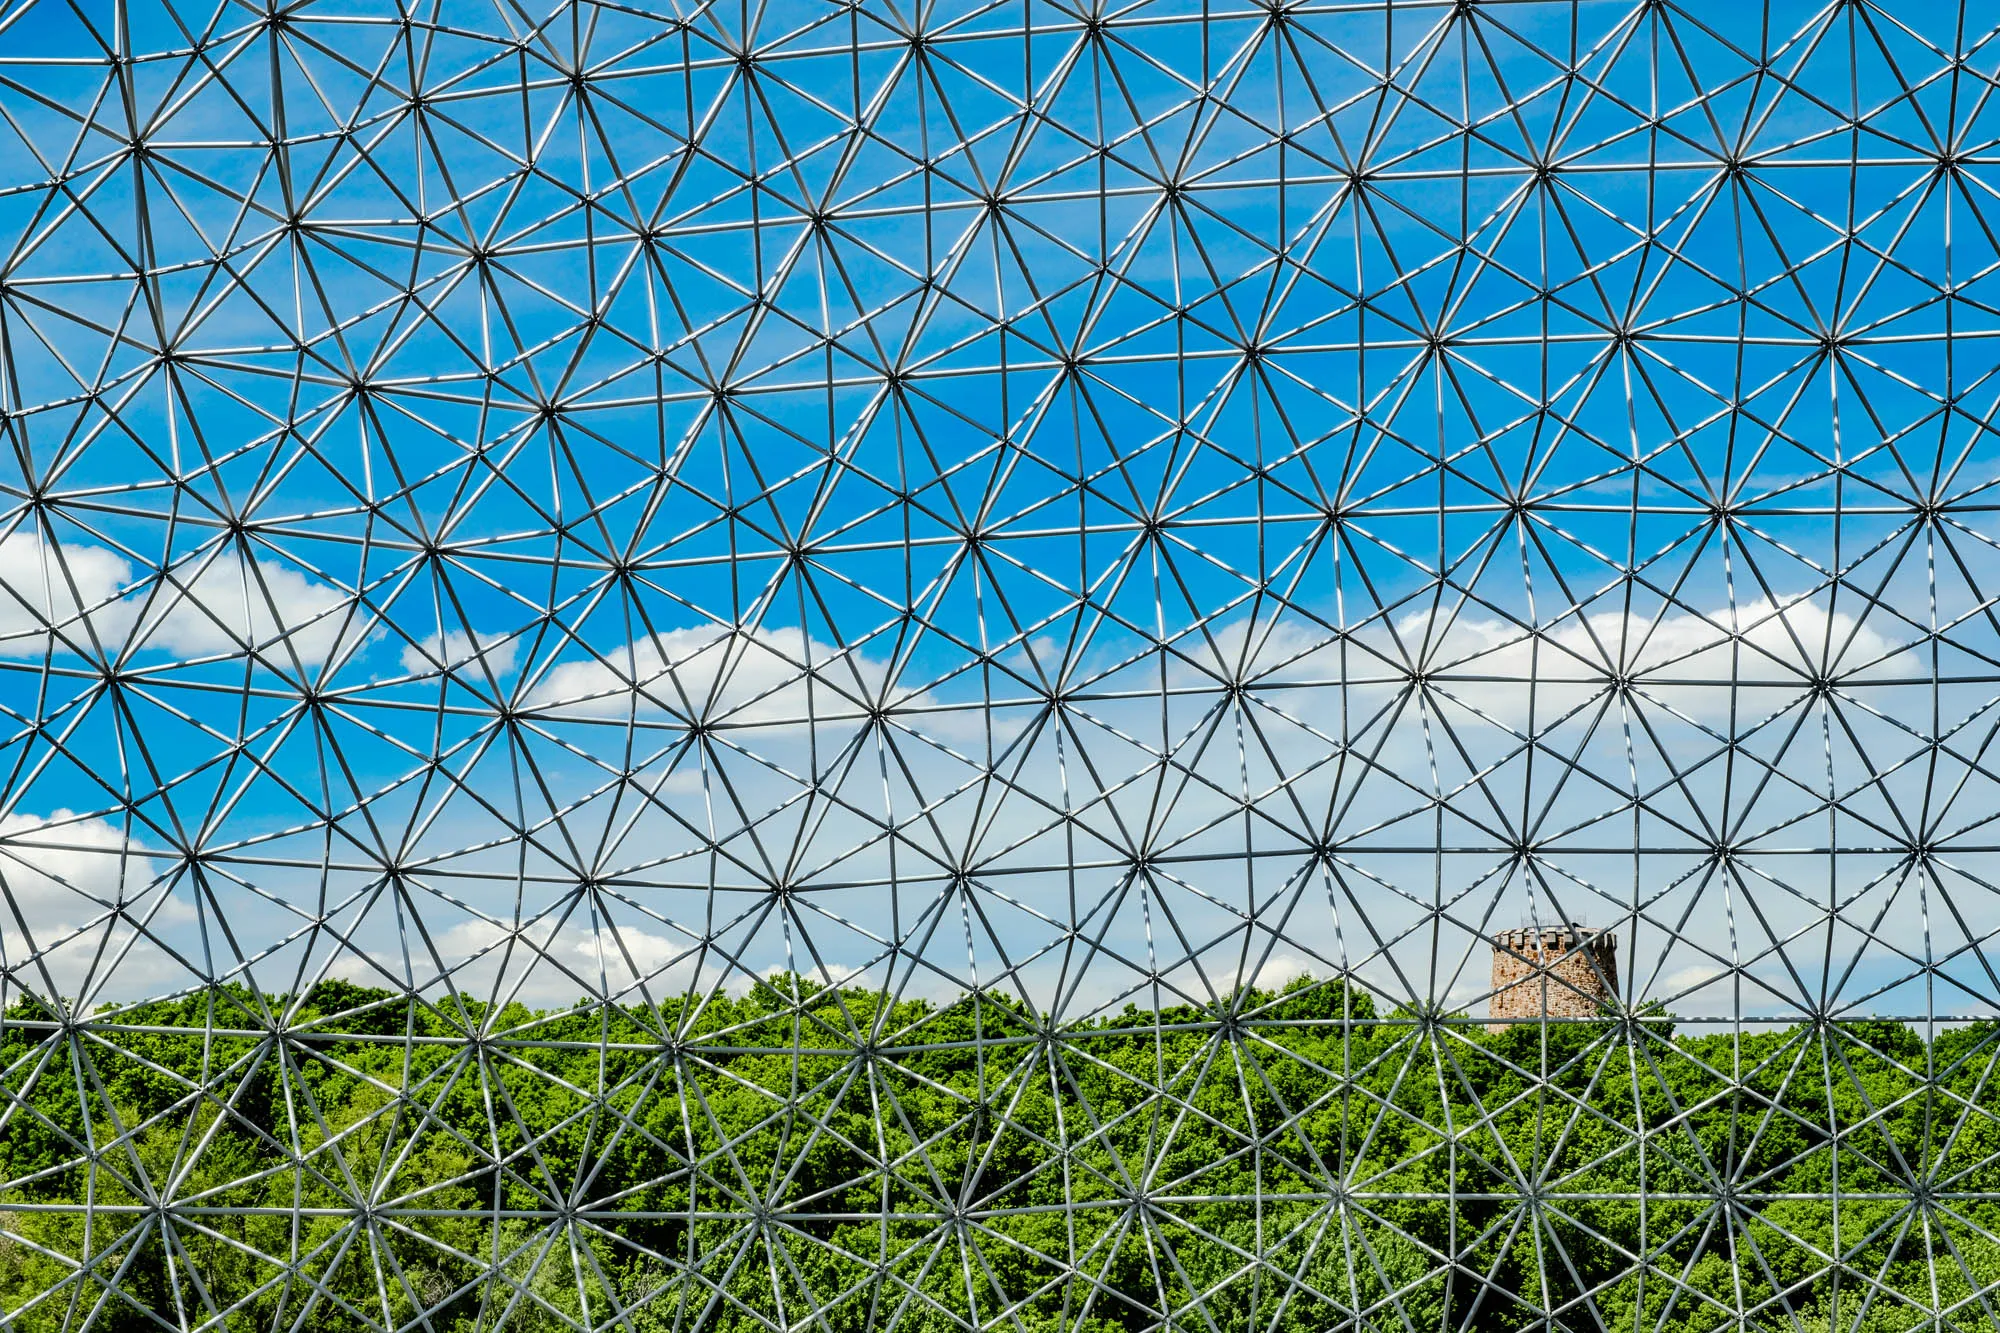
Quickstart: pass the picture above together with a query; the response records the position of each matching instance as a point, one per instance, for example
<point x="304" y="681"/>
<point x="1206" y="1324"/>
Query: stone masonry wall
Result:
<point x="1561" y="971"/>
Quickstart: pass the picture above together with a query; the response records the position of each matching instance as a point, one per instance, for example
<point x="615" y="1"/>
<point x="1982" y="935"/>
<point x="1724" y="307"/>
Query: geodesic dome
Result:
<point x="817" y="666"/>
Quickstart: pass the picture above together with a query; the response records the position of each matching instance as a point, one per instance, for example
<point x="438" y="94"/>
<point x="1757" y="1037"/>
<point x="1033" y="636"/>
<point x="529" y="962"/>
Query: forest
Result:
<point x="797" y="1157"/>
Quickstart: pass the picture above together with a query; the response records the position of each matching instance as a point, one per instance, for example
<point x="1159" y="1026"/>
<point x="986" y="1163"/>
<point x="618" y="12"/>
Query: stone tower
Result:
<point x="1562" y="971"/>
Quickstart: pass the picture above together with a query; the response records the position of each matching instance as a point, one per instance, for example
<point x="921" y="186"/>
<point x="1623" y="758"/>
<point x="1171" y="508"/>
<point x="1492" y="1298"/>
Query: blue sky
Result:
<point x="1078" y="506"/>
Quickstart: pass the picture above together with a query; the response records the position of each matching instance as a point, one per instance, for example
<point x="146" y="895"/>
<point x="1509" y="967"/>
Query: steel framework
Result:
<point x="1173" y="524"/>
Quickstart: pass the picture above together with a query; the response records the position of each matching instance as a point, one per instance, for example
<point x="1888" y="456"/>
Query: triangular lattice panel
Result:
<point x="829" y="666"/>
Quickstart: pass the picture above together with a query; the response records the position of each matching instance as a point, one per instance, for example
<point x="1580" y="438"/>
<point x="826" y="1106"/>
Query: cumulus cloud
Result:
<point x="67" y="868"/>
<point x="72" y="888"/>
<point x="50" y="592"/>
<point x="232" y="603"/>
<point x="739" y="677"/>
<point x="1758" y="641"/>
<point x="1694" y="661"/>
<point x="1749" y="663"/>
<point x="455" y="650"/>
<point x="58" y="596"/>
<point x="540" y="964"/>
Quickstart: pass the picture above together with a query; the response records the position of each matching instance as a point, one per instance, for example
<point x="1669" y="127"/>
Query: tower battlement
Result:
<point x="1560" y="971"/>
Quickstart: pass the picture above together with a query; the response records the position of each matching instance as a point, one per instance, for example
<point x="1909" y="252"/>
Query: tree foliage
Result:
<point x="798" y="1157"/>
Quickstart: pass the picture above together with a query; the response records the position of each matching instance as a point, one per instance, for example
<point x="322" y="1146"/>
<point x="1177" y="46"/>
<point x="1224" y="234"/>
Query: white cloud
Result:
<point x="44" y="586"/>
<point x="539" y="965"/>
<point x="1751" y="662"/>
<point x="63" y="882"/>
<point x="66" y="868"/>
<point x="740" y="677"/>
<point x="1691" y="661"/>
<point x="232" y="602"/>
<point x="455" y="650"/>
<point x="1691" y="978"/>
<point x="62" y="591"/>
<point x="1758" y="641"/>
